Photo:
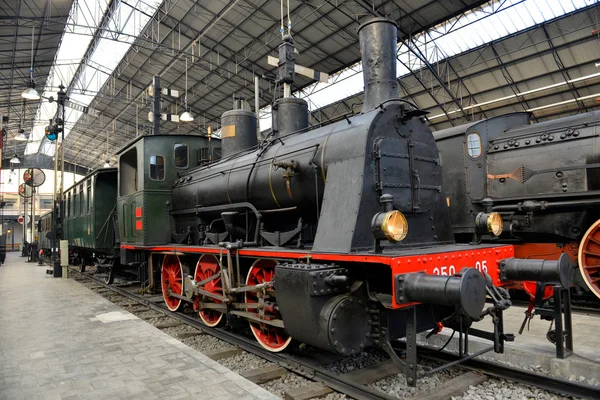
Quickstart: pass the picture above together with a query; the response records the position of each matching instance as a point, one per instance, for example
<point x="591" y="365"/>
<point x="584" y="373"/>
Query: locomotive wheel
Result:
<point x="110" y="277"/>
<point x="588" y="258"/>
<point x="270" y="337"/>
<point x="207" y="266"/>
<point x="172" y="278"/>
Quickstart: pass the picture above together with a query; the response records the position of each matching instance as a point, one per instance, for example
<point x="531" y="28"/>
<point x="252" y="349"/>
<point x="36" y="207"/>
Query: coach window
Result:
<point x="157" y="168"/>
<point x="180" y="155"/>
<point x="80" y="199"/>
<point x="89" y="197"/>
<point x="68" y="204"/>
<point x="474" y="145"/>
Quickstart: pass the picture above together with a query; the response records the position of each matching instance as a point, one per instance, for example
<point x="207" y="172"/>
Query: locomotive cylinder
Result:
<point x="238" y="132"/>
<point x="549" y="271"/>
<point x="466" y="291"/>
<point x="378" y="38"/>
<point x="289" y="115"/>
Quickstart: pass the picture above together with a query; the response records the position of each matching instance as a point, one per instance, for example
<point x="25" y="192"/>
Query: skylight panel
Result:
<point x="536" y="14"/>
<point x="493" y="21"/>
<point x="128" y="20"/>
<point x="546" y="9"/>
<point x="74" y="42"/>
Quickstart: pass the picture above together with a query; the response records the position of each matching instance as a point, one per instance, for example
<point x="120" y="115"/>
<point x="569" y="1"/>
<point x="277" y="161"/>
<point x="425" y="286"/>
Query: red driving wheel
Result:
<point x="270" y="337"/>
<point x="172" y="278"/>
<point x="208" y="266"/>
<point x="588" y="258"/>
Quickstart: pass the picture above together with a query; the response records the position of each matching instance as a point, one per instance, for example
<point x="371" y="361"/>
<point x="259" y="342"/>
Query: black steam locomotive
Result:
<point x="543" y="178"/>
<point x="337" y="237"/>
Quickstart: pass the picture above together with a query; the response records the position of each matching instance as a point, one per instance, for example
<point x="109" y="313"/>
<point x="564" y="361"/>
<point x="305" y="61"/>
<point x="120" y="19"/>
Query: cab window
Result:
<point x="180" y="155"/>
<point x="157" y="168"/>
<point x="474" y="145"/>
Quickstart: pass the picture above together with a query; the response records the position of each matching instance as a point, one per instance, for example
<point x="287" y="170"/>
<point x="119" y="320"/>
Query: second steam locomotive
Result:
<point x="542" y="178"/>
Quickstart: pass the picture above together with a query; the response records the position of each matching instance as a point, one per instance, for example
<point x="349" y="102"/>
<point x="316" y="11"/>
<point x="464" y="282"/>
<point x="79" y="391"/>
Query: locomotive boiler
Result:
<point x="337" y="237"/>
<point x="542" y="178"/>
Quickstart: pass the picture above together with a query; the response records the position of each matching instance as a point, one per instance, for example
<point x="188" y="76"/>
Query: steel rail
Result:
<point x="304" y="367"/>
<point x="578" y="309"/>
<point x="546" y="382"/>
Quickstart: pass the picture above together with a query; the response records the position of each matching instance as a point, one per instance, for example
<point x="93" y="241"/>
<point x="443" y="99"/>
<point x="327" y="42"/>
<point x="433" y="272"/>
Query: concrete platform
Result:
<point x="533" y="349"/>
<point x="60" y="340"/>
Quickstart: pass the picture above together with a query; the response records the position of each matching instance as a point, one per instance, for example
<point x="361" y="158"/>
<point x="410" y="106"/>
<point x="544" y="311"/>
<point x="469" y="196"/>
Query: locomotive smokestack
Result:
<point x="378" y="38"/>
<point x="238" y="132"/>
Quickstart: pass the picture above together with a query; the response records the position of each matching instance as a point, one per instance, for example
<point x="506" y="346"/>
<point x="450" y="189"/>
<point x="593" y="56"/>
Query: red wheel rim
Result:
<point x="588" y="258"/>
<point x="172" y="277"/>
<point x="270" y="337"/>
<point x="207" y="266"/>
<point x="530" y="288"/>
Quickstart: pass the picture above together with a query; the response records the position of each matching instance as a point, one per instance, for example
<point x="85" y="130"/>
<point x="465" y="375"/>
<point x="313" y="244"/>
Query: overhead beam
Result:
<point x="43" y="161"/>
<point x="561" y="68"/>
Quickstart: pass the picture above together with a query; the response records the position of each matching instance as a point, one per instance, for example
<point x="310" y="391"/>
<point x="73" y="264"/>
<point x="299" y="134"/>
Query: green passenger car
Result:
<point x="44" y="227"/>
<point x="89" y="210"/>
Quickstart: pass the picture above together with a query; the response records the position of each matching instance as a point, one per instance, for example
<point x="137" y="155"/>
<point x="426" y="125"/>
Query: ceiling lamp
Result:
<point x="21" y="137"/>
<point x="106" y="164"/>
<point x="15" y="160"/>
<point x="30" y="93"/>
<point x="186" y="116"/>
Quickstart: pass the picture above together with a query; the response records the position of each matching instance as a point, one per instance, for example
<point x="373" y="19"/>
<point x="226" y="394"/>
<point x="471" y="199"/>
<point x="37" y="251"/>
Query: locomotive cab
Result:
<point x="148" y="166"/>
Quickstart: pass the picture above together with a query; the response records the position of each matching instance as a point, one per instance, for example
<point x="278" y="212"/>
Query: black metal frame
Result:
<point x="56" y="217"/>
<point x="561" y="314"/>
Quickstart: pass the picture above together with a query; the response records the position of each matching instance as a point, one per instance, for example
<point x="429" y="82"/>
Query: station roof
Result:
<point x="550" y="68"/>
<point x="225" y="45"/>
<point x="16" y="21"/>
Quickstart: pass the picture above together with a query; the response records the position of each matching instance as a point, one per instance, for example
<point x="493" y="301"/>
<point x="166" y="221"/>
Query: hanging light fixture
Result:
<point x="15" y="160"/>
<point x="186" y="116"/>
<point x="21" y="136"/>
<point x="30" y="93"/>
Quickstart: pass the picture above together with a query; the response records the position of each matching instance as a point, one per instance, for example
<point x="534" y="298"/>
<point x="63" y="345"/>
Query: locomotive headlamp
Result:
<point x="489" y="223"/>
<point x="390" y="225"/>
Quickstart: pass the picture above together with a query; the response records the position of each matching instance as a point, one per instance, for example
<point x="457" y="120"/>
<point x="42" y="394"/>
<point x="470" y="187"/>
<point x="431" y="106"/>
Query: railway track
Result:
<point x="575" y="308"/>
<point x="355" y="384"/>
